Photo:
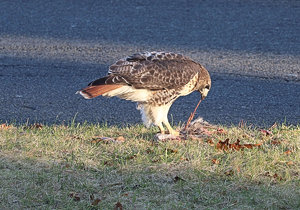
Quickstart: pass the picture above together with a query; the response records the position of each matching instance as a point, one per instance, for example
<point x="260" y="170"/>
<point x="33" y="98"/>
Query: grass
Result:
<point x="69" y="167"/>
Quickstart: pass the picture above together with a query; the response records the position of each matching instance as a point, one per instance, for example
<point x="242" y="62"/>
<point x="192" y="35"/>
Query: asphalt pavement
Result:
<point x="51" y="49"/>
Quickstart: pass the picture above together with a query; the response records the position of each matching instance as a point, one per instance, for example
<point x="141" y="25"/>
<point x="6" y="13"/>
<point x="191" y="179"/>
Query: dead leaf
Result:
<point x="34" y="126"/>
<point x="118" y="206"/>
<point x="125" y="194"/>
<point x="75" y="137"/>
<point x="96" y="201"/>
<point x="94" y="141"/>
<point x="225" y="146"/>
<point x="220" y="131"/>
<point x="104" y="140"/>
<point x="265" y="132"/>
<point x="290" y="163"/>
<point x="229" y="172"/>
<point x="131" y="157"/>
<point x="222" y="145"/>
<point x="75" y="196"/>
<point x="238" y="169"/>
<point x="92" y="197"/>
<point x="109" y="163"/>
<point x="275" y="142"/>
<point x="184" y="159"/>
<point x="4" y="126"/>
<point x="275" y="176"/>
<point x="121" y="139"/>
<point x="288" y="152"/>
<point x="211" y="142"/>
<point x="65" y="166"/>
<point x="171" y="150"/>
<point x="149" y="151"/>
<point x="215" y="161"/>
<point x="177" y="179"/>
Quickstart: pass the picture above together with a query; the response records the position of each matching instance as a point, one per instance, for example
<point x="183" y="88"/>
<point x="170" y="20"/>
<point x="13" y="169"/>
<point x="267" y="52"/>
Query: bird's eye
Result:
<point x="207" y="86"/>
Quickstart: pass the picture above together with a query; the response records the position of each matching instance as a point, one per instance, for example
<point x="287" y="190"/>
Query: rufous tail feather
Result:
<point x="97" y="90"/>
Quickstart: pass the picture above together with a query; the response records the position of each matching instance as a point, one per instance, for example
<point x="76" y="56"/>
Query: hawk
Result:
<point x="154" y="80"/>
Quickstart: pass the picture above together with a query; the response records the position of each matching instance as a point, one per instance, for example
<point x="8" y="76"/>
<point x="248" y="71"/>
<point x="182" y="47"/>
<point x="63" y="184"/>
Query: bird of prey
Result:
<point x="154" y="80"/>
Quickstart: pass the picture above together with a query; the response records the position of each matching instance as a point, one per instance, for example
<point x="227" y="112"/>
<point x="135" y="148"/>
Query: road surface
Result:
<point x="51" y="49"/>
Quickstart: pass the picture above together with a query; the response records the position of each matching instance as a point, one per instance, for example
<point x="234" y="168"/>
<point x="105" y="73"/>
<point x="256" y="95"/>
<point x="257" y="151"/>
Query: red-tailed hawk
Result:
<point x="154" y="80"/>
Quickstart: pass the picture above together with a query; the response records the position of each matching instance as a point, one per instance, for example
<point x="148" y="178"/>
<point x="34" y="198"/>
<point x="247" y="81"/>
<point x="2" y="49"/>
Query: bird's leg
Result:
<point x="161" y="128"/>
<point x="170" y="129"/>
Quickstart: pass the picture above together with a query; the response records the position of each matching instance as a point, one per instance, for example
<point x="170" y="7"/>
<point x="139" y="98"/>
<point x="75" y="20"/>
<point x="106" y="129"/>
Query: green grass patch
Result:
<point x="69" y="167"/>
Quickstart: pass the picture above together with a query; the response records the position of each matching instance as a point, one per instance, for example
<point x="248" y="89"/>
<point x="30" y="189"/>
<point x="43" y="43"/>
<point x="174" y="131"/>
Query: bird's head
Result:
<point x="204" y="90"/>
<point x="204" y="83"/>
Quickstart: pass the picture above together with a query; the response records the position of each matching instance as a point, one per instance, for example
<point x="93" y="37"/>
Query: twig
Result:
<point x="191" y="116"/>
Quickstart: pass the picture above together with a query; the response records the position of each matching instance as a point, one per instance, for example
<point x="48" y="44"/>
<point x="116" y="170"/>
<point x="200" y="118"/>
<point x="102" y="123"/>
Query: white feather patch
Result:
<point x="129" y="93"/>
<point x="154" y="115"/>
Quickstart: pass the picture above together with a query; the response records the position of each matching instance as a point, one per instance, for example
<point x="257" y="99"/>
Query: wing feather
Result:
<point x="154" y="71"/>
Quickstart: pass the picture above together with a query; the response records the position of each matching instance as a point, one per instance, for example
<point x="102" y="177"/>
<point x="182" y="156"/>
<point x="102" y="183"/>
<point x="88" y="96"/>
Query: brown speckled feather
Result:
<point x="154" y="71"/>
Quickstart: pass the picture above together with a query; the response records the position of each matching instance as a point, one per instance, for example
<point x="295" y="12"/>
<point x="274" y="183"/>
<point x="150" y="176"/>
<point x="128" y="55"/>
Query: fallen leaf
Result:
<point x="75" y="137"/>
<point x="265" y="132"/>
<point x="125" y="194"/>
<point x="288" y="152"/>
<point x="4" y="126"/>
<point x="184" y="159"/>
<point x="225" y="146"/>
<point x="275" y="142"/>
<point x="109" y="163"/>
<point x="121" y="139"/>
<point x="65" y="166"/>
<point x="149" y="151"/>
<point x="75" y="196"/>
<point x="250" y="146"/>
<point x="275" y="176"/>
<point x="215" y="161"/>
<point x="131" y="157"/>
<point x="229" y="172"/>
<point x="34" y="126"/>
<point x="171" y="150"/>
<point x="104" y="140"/>
<point x="211" y="142"/>
<point x="177" y="179"/>
<point x="290" y="163"/>
<point x="96" y="201"/>
<point x="238" y="169"/>
<point x="221" y="131"/>
<point x="118" y="206"/>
